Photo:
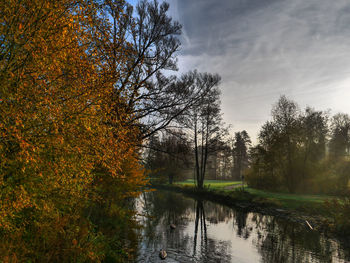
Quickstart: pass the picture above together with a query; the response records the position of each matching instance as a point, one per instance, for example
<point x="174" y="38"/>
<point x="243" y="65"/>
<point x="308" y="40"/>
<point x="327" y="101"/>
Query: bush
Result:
<point x="262" y="180"/>
<point x="340" y="211"/>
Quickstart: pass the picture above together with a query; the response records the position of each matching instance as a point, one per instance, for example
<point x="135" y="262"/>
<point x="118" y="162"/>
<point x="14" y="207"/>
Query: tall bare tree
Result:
<point x="153" y="98"/>
<point x="204" y="123"/>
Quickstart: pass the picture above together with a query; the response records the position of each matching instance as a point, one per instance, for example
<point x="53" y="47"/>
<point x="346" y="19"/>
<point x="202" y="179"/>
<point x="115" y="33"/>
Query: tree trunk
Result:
<point x="199" y="184"/>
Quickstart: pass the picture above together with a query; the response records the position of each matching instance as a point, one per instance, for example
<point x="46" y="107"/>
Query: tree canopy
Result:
<point x="81" y="86"/>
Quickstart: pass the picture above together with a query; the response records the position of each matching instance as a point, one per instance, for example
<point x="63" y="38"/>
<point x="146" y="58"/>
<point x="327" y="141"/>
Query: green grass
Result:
<point x="286" y="196"/>
<point x="215" y="184"/>
<point x="311" y="203"/>
<point x="294" y="201"/>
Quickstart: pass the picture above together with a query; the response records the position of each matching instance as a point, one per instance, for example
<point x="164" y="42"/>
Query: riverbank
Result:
<point x="208" y="231"/>
<point x="309" y="211"/>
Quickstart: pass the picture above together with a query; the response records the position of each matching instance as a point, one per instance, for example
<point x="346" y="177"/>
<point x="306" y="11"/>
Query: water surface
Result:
<point x="210" y="232"/>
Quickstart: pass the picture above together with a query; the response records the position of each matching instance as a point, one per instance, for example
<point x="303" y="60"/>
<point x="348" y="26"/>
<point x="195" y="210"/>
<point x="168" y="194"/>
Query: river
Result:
<point x="210" y="232"/>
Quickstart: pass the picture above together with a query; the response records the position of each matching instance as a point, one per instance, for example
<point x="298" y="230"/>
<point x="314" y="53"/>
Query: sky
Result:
<point x="267" y="48"/>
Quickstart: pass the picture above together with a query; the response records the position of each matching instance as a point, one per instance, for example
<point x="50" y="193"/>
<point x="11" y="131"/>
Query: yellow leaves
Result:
<point x="21" y="200"/>
<point x="23" y="144"/>
<point x="92" y="255"/>
<point x="74" y="242"/>
<point x="58" y="118"/>
<point x="60" y="139"/>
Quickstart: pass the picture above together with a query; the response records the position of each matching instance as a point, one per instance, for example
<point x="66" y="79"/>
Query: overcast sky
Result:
<point x="267" y="48"/>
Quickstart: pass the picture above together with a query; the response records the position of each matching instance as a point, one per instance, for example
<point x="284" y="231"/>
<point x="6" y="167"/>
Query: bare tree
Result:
<point x="153" y="98"/>
<point x="168" y="156"/>
<point x="204" y="122"/>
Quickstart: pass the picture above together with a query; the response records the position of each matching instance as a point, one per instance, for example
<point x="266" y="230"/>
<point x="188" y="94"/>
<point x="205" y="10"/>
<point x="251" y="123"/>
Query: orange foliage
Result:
<point x="58" y="119"/>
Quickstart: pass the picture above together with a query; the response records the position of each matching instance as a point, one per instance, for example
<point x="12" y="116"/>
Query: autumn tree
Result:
<point x="81" y="87"/>
<point x="57" y="93"/>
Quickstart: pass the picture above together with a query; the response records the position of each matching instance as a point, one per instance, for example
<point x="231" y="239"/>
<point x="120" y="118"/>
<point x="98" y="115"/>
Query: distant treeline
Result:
<point x="297" y="151"/>
<point x="301" y="151"/>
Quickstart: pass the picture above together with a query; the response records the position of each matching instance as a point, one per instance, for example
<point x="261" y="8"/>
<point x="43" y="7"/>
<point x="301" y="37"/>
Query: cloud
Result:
<point x="266" y="48"/>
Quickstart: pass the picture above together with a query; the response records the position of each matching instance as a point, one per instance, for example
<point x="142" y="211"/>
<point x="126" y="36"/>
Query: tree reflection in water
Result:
<point x="209" y="232"/>
<point x="288" y="242"/>
<point x="240" y="220"/>
<point x="208" y="249"/>
<point x="200" y="217"/>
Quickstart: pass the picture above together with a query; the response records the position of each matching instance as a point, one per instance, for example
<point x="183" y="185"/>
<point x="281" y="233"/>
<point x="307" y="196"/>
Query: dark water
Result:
<point x="209" y="232"/>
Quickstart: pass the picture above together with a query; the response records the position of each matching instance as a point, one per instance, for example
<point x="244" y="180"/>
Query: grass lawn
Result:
<point x="286" y="196"/>
<point x="216" y="184"/>
<point x="293" y="201"/>
<point x="283" y="200"/>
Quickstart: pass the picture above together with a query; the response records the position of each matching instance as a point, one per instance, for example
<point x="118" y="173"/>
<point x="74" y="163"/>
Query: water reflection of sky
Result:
<point x="208" y="232"/>
<point x="239" y="249"/>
